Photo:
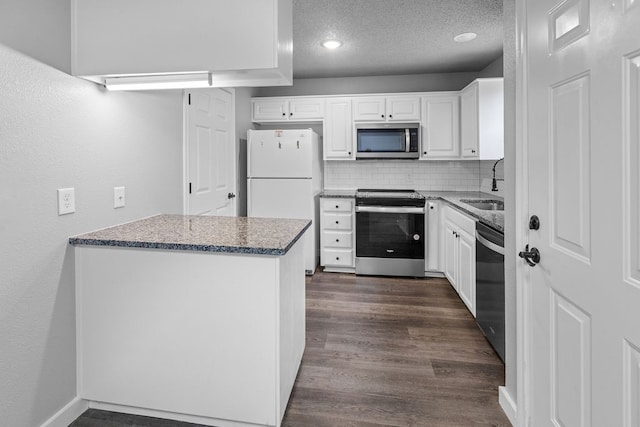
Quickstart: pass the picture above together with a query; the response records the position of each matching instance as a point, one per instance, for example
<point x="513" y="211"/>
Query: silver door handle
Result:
<point x="490" y="245"/>
<point x="385" y="209"/>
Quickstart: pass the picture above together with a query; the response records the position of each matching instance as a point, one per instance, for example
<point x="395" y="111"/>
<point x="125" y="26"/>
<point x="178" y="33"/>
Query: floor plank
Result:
<point x="382" y="352"/>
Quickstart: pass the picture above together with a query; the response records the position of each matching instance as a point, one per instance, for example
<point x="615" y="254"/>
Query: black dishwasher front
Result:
<point x="490" y="285"/>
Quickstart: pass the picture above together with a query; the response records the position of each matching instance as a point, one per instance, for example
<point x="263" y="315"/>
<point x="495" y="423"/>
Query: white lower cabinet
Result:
<point x="337" y="235"/>
<point x="460" y="255"/>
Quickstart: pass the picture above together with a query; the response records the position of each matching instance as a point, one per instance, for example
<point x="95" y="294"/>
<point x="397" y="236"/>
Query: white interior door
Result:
<point x="211" y="171"/>
<point x="582" y="94"/>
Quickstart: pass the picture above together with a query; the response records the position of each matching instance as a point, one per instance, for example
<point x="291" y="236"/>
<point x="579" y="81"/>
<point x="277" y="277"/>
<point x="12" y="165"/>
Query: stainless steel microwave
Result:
<point x="388" y="140"/>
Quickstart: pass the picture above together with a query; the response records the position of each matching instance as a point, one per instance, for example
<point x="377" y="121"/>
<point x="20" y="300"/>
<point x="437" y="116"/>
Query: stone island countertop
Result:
<point x="260" y="236"/>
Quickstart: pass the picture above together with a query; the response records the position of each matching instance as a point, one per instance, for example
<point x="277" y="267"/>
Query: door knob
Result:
<point x="531" y="256"/>
<point x="534" y="223"/>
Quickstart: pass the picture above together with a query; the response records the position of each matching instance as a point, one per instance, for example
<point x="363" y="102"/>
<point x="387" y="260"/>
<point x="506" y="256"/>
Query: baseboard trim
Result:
<point x="195" y="419"/>
<point x="508" y="405"/>
<point x="68" y="414"/>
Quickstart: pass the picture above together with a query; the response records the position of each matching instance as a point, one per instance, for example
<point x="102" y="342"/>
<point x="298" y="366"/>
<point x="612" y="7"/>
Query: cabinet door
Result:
<point x="338" y="136"/>
<point x="270" y="110"/>
<point x="467" y="271"/>
<point x="306" y="109"/>
<point x="451" y="253"/>
<point x="403" y="109"/>
<point x="469" y="121"/>
<point x="370" y="109"/>
<point x="441" y="124"/>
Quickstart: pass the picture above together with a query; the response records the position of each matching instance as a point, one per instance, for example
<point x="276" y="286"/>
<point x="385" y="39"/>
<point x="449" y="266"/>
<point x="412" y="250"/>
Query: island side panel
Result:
<point x="185" y="332"/>
<point x="292" y="320"/>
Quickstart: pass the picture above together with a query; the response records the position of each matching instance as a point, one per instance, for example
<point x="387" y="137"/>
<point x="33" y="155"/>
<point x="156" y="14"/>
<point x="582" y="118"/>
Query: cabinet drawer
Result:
<point x="337" y="257"/>
<point x="337" y="205"/>
<point x="337" y="239"/>
<point x="336" y="221"/>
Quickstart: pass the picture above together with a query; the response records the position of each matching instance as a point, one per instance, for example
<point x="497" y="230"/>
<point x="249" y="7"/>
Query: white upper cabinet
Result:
<point x="387" y="109"/>
<point x="270" y="110"/>
<point x="338" y="130"/>
<point x="482" y="119"/>
<point x="168" y="37"/>
<point x="283" y="109"/>
<point x="370" y="109"/>
<point x="440" y="126"/>
<point x="403" y="108"/>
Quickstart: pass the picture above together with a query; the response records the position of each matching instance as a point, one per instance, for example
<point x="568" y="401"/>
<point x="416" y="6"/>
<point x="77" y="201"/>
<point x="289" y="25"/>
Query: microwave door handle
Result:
<point x="407" y="140"/>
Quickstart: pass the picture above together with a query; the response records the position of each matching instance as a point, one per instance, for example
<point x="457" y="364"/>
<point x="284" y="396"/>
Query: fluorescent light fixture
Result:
<point x="465" y="37"/>
<point x="331" y="44"/>
<point x="159" y="81"/>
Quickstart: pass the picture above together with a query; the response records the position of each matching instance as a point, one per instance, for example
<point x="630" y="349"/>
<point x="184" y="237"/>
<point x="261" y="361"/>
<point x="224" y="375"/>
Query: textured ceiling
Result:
<point x="385" y="37"/>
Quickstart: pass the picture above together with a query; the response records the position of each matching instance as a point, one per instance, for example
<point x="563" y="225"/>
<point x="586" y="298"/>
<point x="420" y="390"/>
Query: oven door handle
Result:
<point x="390" y="209"/>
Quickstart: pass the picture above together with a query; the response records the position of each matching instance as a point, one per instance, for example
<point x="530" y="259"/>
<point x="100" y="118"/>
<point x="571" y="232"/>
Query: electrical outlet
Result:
<point x="66" y="201"/>
<point x="118" y="197"/>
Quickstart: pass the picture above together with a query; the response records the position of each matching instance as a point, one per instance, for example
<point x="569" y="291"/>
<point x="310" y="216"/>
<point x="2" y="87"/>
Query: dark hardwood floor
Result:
<point x="382" y="352"/>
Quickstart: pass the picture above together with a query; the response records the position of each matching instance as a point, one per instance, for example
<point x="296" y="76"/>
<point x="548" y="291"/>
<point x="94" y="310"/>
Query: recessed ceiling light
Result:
<point x="465" y="37"/>
<point x="332" y="44"/>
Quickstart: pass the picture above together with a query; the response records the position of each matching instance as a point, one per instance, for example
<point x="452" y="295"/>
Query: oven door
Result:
<point x="390" y="232"/>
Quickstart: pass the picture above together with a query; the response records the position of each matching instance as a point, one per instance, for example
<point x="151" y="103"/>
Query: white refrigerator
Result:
<point x="284" y="180"/>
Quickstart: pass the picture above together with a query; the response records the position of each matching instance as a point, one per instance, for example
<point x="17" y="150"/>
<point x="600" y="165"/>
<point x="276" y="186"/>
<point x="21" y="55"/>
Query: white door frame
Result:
<point x="523" y="293"/>
<point x="185" y="150"/>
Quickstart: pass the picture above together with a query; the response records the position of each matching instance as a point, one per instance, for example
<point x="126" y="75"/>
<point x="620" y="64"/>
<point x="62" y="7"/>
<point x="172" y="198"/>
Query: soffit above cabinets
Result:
<point x="239" y="43"/>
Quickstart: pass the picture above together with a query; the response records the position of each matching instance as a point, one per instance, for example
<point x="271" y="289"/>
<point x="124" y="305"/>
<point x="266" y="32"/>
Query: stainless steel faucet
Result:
<point x="494" y="184"/>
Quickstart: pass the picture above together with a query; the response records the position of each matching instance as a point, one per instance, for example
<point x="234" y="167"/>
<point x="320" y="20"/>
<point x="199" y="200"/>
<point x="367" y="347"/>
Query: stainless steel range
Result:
<point x="390" y="232"/>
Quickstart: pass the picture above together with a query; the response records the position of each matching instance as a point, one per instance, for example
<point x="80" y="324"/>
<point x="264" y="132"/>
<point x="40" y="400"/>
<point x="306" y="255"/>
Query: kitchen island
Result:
<point x="198" y="319"/>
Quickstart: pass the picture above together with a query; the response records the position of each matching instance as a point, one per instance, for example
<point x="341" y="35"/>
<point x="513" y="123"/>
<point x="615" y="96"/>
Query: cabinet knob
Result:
<point x="473" y="151"/>
<point x="337" y="222"/>
<point x="382" y="115"/>
<point x="349" y="152"/>
<point x="424" y="152"/>
<point x="337" y="240"/>
<point x="431" y="207"/>
<point x="337" y="258"/>
<point x="337" y="207"/>
<point x="391" y="116"/>
<point x="284" y="114"/>
<point x="290" y="114"/>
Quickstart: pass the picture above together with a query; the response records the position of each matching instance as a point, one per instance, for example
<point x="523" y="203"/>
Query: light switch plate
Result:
<point x="66" y="201"/>
<point x="118" y="197"/>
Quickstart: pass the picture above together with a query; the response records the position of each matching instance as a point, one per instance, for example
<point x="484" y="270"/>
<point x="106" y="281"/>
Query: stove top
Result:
<point x="386" y="197"/>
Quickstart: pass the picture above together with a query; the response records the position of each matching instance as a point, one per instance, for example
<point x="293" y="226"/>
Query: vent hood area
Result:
<point x="155" y="43"/>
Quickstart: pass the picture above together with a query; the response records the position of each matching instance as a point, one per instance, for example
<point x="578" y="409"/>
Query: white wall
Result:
<point x="59" y="131"/>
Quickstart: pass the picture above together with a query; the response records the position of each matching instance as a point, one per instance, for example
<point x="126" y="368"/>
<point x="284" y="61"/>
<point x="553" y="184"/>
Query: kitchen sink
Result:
<point x="486" y="205"/>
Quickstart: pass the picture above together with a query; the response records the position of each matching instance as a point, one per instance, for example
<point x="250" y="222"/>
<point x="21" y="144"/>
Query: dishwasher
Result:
<point x="490" y="285"/>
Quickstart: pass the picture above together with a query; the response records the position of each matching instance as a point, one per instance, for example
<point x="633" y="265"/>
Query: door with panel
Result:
<point x="582" y="125"/>
<point x="211" y="162"/>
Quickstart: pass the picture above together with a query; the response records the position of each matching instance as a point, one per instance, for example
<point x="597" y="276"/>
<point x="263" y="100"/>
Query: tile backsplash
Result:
<point x="430" y="175"/>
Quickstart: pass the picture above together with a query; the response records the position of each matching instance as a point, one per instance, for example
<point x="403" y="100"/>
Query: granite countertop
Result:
<point x="261" y="236"/>
<point x="338" y="194"/>
<point x="494" y="219"/>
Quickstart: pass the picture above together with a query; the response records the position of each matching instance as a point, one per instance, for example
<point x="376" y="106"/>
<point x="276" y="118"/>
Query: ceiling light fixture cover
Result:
<point x="331" y="44"/>
<point x="465" y="37"/>
<point x="159" y="81"/>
